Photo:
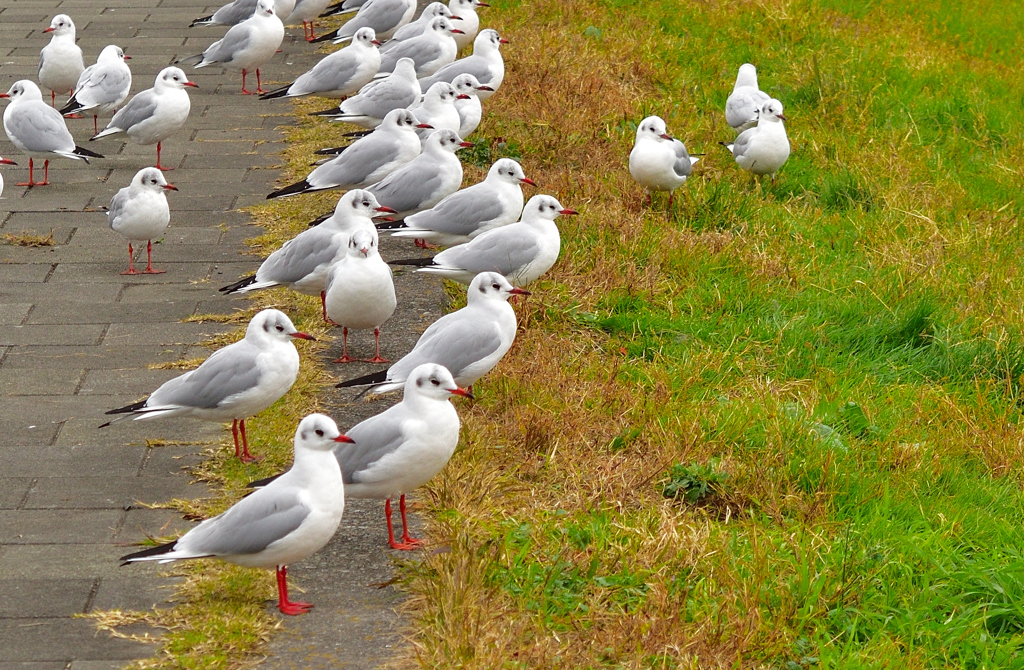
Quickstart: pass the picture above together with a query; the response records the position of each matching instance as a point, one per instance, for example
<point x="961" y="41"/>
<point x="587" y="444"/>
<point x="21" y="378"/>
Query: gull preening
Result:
<point x="234" y="383"/>
<point x="248" y="45"/>
<point x="764" y="148"/>
<point x="39" y="130"/>
<point x="154" y="114"/>
<point x="102" y="87"/>
<point x="486" y="64"/>
<point x="60" y="61"/>
<point x="496" y="201"/>
<point x="339" y="74"/>
<point x="745" y="102"/>
<point x="384" y="16"/>
<point x="521" y="251"/>
<point x="287" y="520"/>
<point x="430" y="50"/>
<point x="468" y="342"/>
<point x="658" y="161"/>
<point x="360" y="292"/>
<point x="367" y="160"/>
<point x="375" y="100"/>
<point x="139" y="213"/>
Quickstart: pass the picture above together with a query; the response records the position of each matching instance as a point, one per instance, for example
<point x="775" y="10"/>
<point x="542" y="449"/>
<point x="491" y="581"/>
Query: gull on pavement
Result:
<point x="60" y="61"/>
<point x="139" y="212"/>
<point x="102" y="87"/>
<point x="248" y="45"/>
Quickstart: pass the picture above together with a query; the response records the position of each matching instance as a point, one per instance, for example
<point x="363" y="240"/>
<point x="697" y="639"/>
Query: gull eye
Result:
<point x="319" y="432"/>
<point x="496" y="287"/>
<point x="280" y="329"/>
<point x="435" y="382"/>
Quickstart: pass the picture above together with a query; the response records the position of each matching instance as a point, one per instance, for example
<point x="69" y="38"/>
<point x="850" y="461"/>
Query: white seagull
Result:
<point x="384" y="16"/>
<point x="367" y="160"/>
<point x="154" y="114"/>
<point x="339" y="74"/>
<point x="139" y="212"/>
<point x="467" y="103"/>
<point x="413" y="29"/>
<point x="496" y="201"/>
<point x="468" y="22"/>
<point x="745" y="101"/>
<point x="248" y="45"/>
<point x="468" y="342"/>
<point x="430" y="50"/>
<point x="102" y="87"/>
<point x="658" y="161"/>
<point x="438" y="110"/>
<point x="764" y="148"/>
<point x="234" y="383"/>
<point x="39" y="130"/>
<point x="486" y="64"/>
<point x="302" y="262"/>
<point x="399" y="90"/>
<point x="60" y="61"/>
<point x="289" y="519"/>
<point x="360" y="292"/>
<point x="521" y="251"/>
<point x="240" y="10"/>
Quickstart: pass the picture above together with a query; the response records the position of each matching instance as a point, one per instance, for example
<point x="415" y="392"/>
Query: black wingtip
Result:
<point x="201" y="21"/>
<point x="260" y="483"/>
<point x="276" y="93"/>
<point x="331" y="151"/>
<point x="366" y="380"/>
<point x="358" y="133"/>
<point x="241" y="283"/>
<point x="294" y="189"/>
<point x="86" y="154"/>
<point x="134" y="407"/>
<point x="320" y="219"/>
<point x="333" y="111"/>
<point x="416" y="262"/>
<point x="390" y="225"/>
<point x="150" y="551"/>
<point x="70" y="108"/>
<point x="324" y="38"/>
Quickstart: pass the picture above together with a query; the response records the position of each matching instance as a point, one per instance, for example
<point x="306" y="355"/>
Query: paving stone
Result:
<point x="13" y="490"/>
<point x="91" y="357"/>
<point x="12" y="314"/>
<point x="70" y="461"/>
<point x="65" y="526"/>
<point x="52" y="334"/>
<point x="106" y="492"/>
<point x="47" y="381"/>
<point x="28" y="598"/>
<point x="48" y="639"/>
<point x="140" y="593"/>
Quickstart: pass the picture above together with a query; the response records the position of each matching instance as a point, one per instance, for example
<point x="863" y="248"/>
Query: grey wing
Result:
<point x="223" y="51"/>
<point x="406" y="32"/>
<point x="682" y="166"/>
<point x="381" y="16"/>
<point x="502" y="250"/>
<point x="252" y="525"/>
<point x="228" y="372"/>
<point x="355" y="164"/>
<point x="235" y="12"/>
<point x="298" y="257"/>
<point x="329" y="74"/>
<point x="742" y="142"/>
<point x="461" y="213"/>
<point x="454" y="342"/>
<point x="41" y="130"/>
<point x="374" y="438"/>
<point x="379" y="100"/>
<point x="404" y="190"/>
<point x="138" y="109"/>
<point x="473" y="65"/>
<point x="419" y="51"/>
<point x="106" y="85"/>
<point x="117" y="205"/>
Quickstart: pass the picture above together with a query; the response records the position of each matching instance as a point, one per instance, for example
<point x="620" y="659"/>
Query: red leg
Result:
<point x="394" y="544"/>
<point x="408" y="539"/>
<point x="259" y="84"/>
<point x="671" y="195"/>
<point x="246" y="457"/>
<point x="131" y="261"/>
<point x="344" y="348"/>
<point x="234" y="433"/>
<point x="377" y="358"/>
<point x="323" y="305"/>
<point x="46" y="173"/>
<point x="31" y="181"/>
<point x="158" y="166"/>
<point x="149" y="261"/>
<point x="245" y="92"/>
<point x="286" y="606"/>
<point x="95" y="124"/>
<point x="53" y="98"/>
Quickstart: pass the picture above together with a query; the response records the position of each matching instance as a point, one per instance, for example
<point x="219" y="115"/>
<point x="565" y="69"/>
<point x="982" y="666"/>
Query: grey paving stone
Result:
<point x="105" y="312"/>
<point x="167" y="334"/>
<point x="53" y="334"/>
<point x="28" y="598"/>
<point x="13" y="490"/>
<point x="70" y="461"/>
<point x="21" y="272"/>
<point x="60" y="561"/>
<point x="60" y="639"/>
<point x="107" y="492"/>
<point x="91" y="357"/>
<point x="142" y="523"/>
<point x="47" y="381"/>
<point x="12" y="314"/>
<point x="74" y="526"/>
<point x="139" y="593"/>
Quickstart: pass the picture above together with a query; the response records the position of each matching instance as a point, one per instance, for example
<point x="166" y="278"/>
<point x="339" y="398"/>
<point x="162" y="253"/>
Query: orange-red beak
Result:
<point x="344" y="438"/>
<point x="519" y="291"/>
<point x="462" y="392"/>
<point x="191" y="84"/>
<point x="424" y="125"/>
<point x="303" y="336"/>
<point x="527" y="180"/>
<point x="170" y="187"/>
<point x="48" y="30"/>
<point x="382" y="208"/>
<point x="7" y="161"/>
<point x="501" y="40"/>
<point x="466" y="144"/>
<point x="568" y="212"/>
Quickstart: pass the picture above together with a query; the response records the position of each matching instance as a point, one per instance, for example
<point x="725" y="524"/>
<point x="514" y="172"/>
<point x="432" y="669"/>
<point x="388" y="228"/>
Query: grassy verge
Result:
<point x="779" y="427"/>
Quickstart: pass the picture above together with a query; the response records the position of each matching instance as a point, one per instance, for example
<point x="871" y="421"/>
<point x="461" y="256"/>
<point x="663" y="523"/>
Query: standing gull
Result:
<point x="60" y="61"/>
<point x="39" y="130"/>
<point x="375" y="100"/>
<point x="234" y="383"/>
<point x="305" y="12"/>
<point x="438" y="110"/>
<point x="745" y="101"/>
<point x="102" y="86"/>
<point x="248" y="45"/>
<point x="486" y="64"/>
<point x="468" y="342"/>
<point x="338" y="75"/>
<point x="467" y="103"/>
<point x="658" y="161"/>
<point x="154" y="114"/>
<point x="289" y="519"/>
<point x="139" y="212"/>
<point x="764" y="148"/>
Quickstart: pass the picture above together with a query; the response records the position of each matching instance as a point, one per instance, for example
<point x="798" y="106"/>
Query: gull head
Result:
<point x="441" y="24"/>
<point x="111" y="53"/>
<point x="467" y="85"/>
<point x="492" y="286"/>
<point x="151" y="179"/>
<point x="318" y="432"/>
<point x="362" y="243"/>
<point x="488" y="39"/>
<point x="405" y="68"/>
<point x="433" y="381"/>
<point x="403" y="119"/>
<point x="61" y="25"/>
<point x="653" y="128"/>
<point x="366" y="37"/>
<point x="506" y="169"/>
<point x="359" y="202"/>
<point x="265" y="8"/>
<point x="441" y="92"/>
<point x="446" y="139"/>
<point x="436" y="9"/>
<point x="772" y="111"/>
<point x="273" y="325"/>
<point x="172" y="78"/>
<point x="23" y="89"/>
<point x="545" y="207"/>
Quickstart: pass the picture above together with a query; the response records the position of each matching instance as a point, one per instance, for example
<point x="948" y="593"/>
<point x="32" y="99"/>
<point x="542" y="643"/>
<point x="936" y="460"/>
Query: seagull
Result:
<point x="430" y="50"/>
<point x="467" y="103"/>
<point x="248" y="45"/>
<point x="415" y="28"/>
<point x="468" y="22"/>
<point x="340" y="74"/>
<point x="375" y="100"/>
<point x="468" y="342"/>
<point x="234" y="383"/>
<point x="4" y="161"/>
<point x="239" y="10"/>
<point x="384" y="16"/>
<point x="485" y="64"/>
<point x="305" y="12"/>
<point x="302" y="262"/>
<point x="658" y="161"/>
<point x="367" y="160"/>
<point x="140" y="212"/>
<point x="60" y="61"/>
<point x="465" y="214"/>
<point x="360" y="292"/>
<point x="38" y="130"/>
<point x="289" y="519"/>
<point x="521" y="251"/>
<point x="102" y="87"/>
<point x="438" y="110"/>
<point x="745" y="101"/>
<point x="154" y="114"/>
<point x="764" y="148"/>
<point x="425" y="180"/>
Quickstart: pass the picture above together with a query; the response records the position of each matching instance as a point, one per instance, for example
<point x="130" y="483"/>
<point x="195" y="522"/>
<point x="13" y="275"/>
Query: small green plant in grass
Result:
<point x="693" y="483"/>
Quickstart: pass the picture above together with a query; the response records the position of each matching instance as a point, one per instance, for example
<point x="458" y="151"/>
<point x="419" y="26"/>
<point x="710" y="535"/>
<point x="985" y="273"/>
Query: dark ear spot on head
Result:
<point x="483" y="289"/>
<point x="266" y="326"/>
<point x="419" y="382"/>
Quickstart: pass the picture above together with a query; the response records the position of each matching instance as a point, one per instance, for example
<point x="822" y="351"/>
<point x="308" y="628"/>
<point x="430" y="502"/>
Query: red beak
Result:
<point x="568" y="212"/>
<point x="424" y="125"/>
<point x="458" y="32"/>
<point x="378" y="44"/>
<point x="462" y="392"/>
<point x="382" y="208"/>
<point x="454" y="18"/>
<point x="462" y="96"/>
<point x="191" y="83"/>
<point x="4" y="95"/>
<point x="344" y="438"/>
<point x="303" y="336"/>
<point x="519" y="291"/>
<point x="484" y="88"/>
<point x="127" y="57"/>
<point x="482" y="4"/>
<point x="48" y="30"/>
<point x="527" y="180"/>
<point x="782" y="116"/>
<point x="7" y="161"/>
<point x="170" y="187"/>
<point x="466" y="144"/>
<point x="665" y="136"/>
<point x="501" y="40"/>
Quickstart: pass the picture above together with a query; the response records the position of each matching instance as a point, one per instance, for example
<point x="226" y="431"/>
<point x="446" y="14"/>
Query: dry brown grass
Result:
<point x="28" y="238"/>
